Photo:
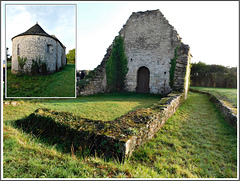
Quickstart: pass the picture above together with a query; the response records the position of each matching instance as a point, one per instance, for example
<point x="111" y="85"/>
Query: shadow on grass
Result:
<point x="66" y="139"/>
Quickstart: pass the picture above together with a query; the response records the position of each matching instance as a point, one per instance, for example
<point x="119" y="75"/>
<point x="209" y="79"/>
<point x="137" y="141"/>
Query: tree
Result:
<point x="71" y="56"/>
<point x="116" y="66"/>
<point x="204" y="75"/>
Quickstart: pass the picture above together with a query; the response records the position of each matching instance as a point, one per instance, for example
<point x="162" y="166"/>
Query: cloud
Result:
<point x="58" y="20"/>
<point x="15" y="16"/>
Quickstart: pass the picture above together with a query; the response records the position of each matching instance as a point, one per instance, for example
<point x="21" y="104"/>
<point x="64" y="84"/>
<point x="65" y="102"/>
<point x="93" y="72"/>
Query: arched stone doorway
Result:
<point x="143" y="76"/>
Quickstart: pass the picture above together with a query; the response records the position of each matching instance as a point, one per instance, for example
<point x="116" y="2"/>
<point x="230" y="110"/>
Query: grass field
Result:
<point x="104" y="106"/>
<point x="225" y="94"/>
<point x="58" y="84"/>
<point x="196" y="142"/>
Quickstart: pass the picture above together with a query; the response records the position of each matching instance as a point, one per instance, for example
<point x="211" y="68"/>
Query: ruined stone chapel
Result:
<point x="158" y="62"/>
<point x="35" y="44"/>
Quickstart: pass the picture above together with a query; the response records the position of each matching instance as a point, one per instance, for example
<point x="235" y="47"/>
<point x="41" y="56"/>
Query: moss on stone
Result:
<point x="108" y="137"/>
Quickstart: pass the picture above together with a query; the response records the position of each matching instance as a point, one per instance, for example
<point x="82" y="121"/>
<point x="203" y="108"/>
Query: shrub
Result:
<point x="42" y="67"/>
<point x="172" y="69"/>
<point x="38" y="66"/>
<point x="35" y="67"/>
<point x="21" y="62"/>
<point x="116" y="66"/>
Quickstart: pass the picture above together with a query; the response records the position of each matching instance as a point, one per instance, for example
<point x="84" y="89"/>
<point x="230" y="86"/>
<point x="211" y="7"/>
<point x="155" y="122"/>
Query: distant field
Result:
<point x="58" y="84"/>
<point x="225" y="94"/>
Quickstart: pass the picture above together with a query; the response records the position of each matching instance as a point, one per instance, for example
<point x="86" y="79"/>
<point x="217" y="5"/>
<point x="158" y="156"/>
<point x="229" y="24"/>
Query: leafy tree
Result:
<point x="213" y="75"/>
<point x="116" y="66"/>
<point x="71" y="56"/>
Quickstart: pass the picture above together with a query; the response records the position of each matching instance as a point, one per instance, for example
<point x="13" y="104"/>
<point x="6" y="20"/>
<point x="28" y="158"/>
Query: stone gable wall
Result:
<point x="150" y="41"/>
<point x="32" y="46"/>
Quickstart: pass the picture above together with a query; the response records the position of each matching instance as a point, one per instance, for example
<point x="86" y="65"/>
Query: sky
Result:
<point x="58" y="20"/>
<point x="210" y="28"/>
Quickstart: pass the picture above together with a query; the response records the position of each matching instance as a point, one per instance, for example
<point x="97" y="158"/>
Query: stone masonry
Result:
<point x="117" y="138"/>
<point x="150" y="43"/>
<point x="36" y="43"/>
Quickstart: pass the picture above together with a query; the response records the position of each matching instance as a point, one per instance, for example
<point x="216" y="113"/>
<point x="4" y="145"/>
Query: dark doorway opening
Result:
<point x="143" y="76"/>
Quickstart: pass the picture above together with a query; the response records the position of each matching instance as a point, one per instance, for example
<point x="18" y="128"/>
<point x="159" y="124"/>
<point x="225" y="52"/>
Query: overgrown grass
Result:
<point x="58" y="84"/>
<point x="225" y="94"/>
<point x="195" y="142"/>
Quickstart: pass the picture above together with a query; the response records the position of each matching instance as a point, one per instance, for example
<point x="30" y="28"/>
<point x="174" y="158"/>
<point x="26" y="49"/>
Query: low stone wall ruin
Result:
<point x="116" y="138"/>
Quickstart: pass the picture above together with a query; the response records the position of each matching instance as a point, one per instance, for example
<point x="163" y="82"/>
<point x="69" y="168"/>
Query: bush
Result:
<point x="116" y="66"/>
<point x="42" y="67"/>
<point x="38" y="67"/>
<point x="172" y="69"/>
<point x="35" y="67"/>
<point x="21" y="62"/>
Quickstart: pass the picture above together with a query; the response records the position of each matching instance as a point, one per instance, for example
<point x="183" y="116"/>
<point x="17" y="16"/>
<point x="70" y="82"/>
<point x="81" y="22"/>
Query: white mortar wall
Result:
<point x="149" y="41"/>
<point x="32" y="46"/>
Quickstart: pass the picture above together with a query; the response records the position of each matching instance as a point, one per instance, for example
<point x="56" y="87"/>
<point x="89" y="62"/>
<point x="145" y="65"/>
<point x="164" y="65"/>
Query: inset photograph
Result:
<point x="40" y="45"/>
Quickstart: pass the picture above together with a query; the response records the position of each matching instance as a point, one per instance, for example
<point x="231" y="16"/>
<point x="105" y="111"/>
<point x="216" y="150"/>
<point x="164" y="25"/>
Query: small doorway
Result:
<point x="143" y="76"/>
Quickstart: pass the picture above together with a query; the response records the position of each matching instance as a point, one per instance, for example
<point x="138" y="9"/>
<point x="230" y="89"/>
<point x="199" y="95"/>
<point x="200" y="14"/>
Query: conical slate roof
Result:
<point x="37" y="30"/>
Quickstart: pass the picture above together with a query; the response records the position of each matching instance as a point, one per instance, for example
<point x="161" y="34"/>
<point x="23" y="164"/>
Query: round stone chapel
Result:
<point x="37" y="47"/>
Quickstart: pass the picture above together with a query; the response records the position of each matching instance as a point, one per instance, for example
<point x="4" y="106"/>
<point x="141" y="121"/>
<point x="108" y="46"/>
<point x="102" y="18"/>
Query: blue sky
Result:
<point x="211" y="29"/>
<point x="58" y="20"/>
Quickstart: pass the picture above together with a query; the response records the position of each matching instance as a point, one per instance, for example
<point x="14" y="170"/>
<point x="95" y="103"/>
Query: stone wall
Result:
<point x="116" y="138"/>
<point x="61" y="56"/>
<point x="34" y="46"/>
<point x="182" y="70"/>
<point x="97" y="83"/>
<point x="150" y="41"/>
<point x="166" y="108"/>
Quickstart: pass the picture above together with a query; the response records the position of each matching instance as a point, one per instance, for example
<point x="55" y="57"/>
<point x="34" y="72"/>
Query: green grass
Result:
<point x="9" y="64"/>
<point x="196" y="142"/>
<point x="58" y="84"/>
<point x="97" y="107"/>
<point x="225" y="94"/>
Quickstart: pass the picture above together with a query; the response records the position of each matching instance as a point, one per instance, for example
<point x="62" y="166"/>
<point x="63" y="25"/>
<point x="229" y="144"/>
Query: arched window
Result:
<point x="18" y="49"/>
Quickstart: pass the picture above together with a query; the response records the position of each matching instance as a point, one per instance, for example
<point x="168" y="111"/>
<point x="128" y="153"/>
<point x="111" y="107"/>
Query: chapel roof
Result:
<point x="37" y="30"/>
